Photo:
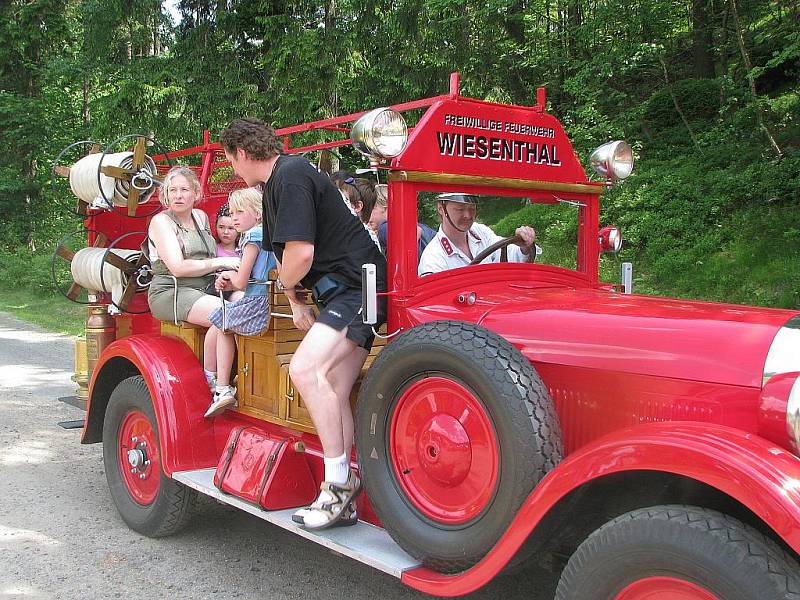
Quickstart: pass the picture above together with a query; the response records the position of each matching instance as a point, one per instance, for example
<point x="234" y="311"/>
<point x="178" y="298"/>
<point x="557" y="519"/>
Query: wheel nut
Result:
<point x="141" y="476"/>
<point x="147" y="463"/>
<point x="134" y="439"/>
<point x="133" y="470"/>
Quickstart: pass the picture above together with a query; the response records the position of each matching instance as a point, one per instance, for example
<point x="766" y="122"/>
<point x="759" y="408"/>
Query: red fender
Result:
<point x="180" y="398"/>
<point x="760" y="475"/>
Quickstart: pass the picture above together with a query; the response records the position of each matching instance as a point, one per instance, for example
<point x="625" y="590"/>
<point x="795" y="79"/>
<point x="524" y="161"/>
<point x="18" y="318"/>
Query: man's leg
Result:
<point x="322" y="363"/>
<point x="343" y="376"/>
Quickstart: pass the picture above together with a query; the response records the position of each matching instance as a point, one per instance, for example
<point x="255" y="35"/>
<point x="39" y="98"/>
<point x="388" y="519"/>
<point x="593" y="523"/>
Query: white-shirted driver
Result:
<point x="460" y="238"/>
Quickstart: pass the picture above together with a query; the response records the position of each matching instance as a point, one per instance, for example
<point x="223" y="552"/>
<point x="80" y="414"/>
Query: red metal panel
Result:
<point x="180" y="397"/>
<point x="606" y="331"/>
<point x="470" y="137"/>
<point x="758" y="474"/>
<point x="592" y="403"/>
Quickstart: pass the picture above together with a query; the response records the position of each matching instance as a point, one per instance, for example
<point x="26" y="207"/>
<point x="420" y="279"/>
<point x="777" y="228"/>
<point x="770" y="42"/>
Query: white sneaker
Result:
<point x="224" y="396"/>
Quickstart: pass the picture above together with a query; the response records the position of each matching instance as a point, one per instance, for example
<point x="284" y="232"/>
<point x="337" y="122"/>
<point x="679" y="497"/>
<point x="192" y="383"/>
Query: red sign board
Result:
<point x="470" y="137"/>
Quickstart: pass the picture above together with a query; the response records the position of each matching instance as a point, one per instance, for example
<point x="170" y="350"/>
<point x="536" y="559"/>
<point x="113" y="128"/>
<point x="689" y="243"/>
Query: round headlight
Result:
<point x="610" y="240"/>
<point x="381" y="132"/>
<point x="613" y="160"/>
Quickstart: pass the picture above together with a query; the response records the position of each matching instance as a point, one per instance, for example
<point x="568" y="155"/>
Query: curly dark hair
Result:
<point x="253" y="136"/>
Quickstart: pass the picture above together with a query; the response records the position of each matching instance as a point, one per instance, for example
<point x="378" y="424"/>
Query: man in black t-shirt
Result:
<point x="320" y="244"/>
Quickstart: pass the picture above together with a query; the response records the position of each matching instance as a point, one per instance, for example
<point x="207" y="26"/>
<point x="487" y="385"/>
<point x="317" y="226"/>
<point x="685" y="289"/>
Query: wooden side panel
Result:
<point x="265" y="388"/>
<point x="257" y="373"/>
<point x="297" y="414"/>
<point x="193" y="335"/>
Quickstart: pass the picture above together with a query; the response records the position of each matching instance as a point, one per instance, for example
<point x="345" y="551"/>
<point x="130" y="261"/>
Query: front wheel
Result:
<point x="147" y="500"/>
<point x="454" y="429"/>
<point x="678" y="553"/>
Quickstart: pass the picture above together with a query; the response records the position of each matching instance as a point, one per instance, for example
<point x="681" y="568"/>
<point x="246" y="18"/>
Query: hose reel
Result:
<point x="95" y="269"/>
<point x="112" y="180"/>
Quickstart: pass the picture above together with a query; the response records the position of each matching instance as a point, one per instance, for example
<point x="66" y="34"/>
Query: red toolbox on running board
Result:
<point x="270" y="472"/>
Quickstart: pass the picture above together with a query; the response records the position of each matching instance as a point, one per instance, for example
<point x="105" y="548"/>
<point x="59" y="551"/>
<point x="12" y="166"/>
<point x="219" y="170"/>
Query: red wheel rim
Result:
<point x="444" y="450"/>
<point x="664" y="588"/>
<point x="138" y="458"/>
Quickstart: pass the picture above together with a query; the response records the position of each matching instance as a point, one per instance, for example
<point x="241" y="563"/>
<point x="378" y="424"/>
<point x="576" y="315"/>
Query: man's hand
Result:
<point x="528" y="237"/>
<point x="303" y="316"/>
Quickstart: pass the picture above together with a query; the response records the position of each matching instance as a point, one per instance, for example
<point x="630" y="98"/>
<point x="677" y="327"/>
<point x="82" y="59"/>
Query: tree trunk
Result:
<point x="677" y="106"/>
<point x="748" y="70"/>
<point x="702" y="42"/>
<point x="86" y="117"/>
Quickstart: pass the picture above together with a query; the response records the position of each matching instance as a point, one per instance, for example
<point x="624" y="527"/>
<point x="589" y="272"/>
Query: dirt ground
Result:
<point x="60" y="535"/>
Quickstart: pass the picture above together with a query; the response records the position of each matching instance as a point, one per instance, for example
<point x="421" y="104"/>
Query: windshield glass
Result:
<point x="454" y="228"/>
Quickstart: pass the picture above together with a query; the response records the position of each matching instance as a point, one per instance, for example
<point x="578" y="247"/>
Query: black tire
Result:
<point x="173" y="503"/>
<point x="703" y="547"/>
<point x="513" y="400"/>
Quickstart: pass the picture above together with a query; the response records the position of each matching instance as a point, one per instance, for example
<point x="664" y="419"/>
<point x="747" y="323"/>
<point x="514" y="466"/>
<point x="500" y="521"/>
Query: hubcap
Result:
<point x="664" y="588"/>
<point x="138" y="458"/>
<point x="444" y="450"/>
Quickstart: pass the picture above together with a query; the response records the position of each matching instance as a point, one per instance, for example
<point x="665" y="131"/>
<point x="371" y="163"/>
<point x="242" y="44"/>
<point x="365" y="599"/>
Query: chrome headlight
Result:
<point x="381" y="132"/>
<point x="610" y="240"/>
<point x="613" y="160"/>
<point x="784" y="352"/>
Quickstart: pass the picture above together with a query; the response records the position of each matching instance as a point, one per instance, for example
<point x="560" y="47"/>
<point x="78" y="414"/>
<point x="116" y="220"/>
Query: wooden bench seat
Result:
<point x="265" y="390"/>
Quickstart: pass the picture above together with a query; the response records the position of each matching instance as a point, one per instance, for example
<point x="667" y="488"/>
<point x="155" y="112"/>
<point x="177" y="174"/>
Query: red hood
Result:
<point x="699" y="341"/>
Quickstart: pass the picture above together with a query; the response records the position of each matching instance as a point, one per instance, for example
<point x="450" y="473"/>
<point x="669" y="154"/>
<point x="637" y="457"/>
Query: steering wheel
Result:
<point x="502" y="245"/>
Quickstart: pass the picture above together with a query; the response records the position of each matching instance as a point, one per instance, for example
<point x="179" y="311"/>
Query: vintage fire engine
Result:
<point x="648" y="445"/>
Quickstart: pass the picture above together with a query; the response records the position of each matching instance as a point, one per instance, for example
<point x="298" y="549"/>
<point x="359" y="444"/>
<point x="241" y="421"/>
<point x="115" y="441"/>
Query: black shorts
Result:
<point x="344" y="310"/>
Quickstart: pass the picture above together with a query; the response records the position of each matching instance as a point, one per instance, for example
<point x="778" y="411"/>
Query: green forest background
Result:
<point x="706" y="91"/>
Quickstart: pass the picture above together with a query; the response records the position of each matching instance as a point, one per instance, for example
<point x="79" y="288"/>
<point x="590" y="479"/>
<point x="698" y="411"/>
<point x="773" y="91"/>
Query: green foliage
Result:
<point x="699" y="100"/>
<point x="708" y="213"/>
<point x="28" y="270"/>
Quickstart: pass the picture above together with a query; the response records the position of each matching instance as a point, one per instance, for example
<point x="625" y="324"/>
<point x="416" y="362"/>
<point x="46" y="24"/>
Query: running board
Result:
<point x="363" y="542"/>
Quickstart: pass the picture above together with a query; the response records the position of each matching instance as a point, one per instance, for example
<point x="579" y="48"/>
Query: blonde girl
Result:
<point x="249" y="314"/>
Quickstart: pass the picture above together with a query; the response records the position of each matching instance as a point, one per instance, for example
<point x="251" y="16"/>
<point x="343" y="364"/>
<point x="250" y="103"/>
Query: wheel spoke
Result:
<point x="65" y="253"/>
<point x="74" y="291"/>
<point x="119" y="262"/>
<point x="138" y="154"/>
<point x="127" y="295"/>
<point x="133" y="200"/>
<point x="116" y="172"/>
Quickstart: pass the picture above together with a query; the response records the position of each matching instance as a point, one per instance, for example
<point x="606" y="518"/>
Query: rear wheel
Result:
<point x="678" y="553"/>
<point x="147" y="500"/>
<point x="454" y="430"/>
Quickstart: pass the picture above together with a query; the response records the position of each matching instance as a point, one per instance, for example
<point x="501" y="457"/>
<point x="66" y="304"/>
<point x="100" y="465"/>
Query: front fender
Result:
<point x="178" y="390"/>
<point x="760" y="475"/>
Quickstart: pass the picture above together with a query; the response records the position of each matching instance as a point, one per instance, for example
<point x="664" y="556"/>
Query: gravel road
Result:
<point x="60" y="535"/>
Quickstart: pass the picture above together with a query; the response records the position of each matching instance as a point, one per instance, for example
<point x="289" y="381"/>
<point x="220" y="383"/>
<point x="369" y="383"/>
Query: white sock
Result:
<point x="210" y="375"/>
<point x="337" y="469"/>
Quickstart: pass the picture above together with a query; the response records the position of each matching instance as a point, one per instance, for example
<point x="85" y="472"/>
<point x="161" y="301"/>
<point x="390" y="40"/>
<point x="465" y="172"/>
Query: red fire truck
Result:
<point x="517" y="411"/>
